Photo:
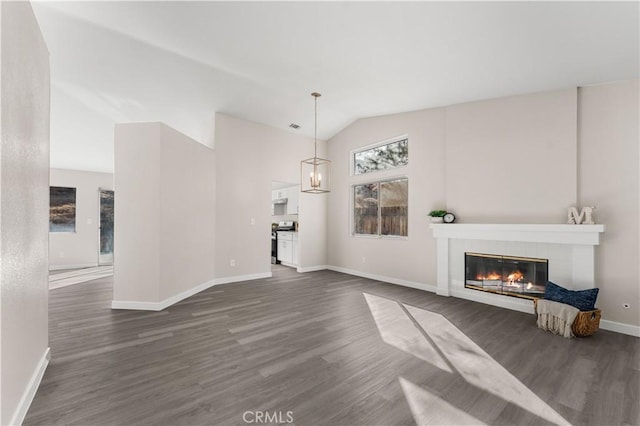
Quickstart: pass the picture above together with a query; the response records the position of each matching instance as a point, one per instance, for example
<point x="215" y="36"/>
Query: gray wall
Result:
<point x="24" y="201"/>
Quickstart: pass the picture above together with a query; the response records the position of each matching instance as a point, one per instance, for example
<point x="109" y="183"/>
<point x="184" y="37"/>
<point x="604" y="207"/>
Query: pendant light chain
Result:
<point x="315" y="123"/>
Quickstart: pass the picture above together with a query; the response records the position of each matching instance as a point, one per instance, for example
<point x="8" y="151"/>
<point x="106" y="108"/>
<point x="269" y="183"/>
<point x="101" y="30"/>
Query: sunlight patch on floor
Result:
<point x="429" y="409"/>
<point x="416" y="331"/>
<point x="478" y="368"/>
<point x="396" y="329"/>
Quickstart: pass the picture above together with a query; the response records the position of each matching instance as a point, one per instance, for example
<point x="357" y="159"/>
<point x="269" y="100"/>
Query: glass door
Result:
<point x="106" y="227"/>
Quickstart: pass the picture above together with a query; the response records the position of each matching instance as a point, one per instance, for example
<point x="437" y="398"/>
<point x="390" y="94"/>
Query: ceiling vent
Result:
<point x="294" y="126"/>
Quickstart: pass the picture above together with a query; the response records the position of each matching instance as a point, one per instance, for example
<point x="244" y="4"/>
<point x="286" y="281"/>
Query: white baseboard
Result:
<point x="158" y="306"/>
<point x="619" y="327"/>
<point x="391" y="280"/>
<point x="238" y="278"/>
<point x="75" y="266"/>
<point x="32" y="388"/>
<point x="521" y="305"/>
<point x="136" y="306"/>
<point x="513" y="303"/>
<point x="313" y="268"/>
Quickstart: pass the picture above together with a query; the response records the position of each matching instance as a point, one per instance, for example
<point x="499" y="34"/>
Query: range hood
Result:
<point x="280" y="201"/>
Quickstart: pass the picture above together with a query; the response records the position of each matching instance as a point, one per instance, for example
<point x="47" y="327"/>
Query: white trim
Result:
<point x="76" y="266"/>
<point x="32" y="388"/>
<point x="532" y="233"/>
<point x="158" y="306"/>
<point x="501" y="301"/>
<point x="139" y="306"/>
<point x="390" y="280"/>
<point x="238" y="278"/>
<point x="312" y="268"/>
<point x="290" y="265"/>
<point x="514" y="303"/>
<point x="619" y="327"/>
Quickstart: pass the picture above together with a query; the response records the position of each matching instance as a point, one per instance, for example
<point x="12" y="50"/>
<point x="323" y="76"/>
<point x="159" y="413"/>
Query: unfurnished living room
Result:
<point x="319" y="213"/>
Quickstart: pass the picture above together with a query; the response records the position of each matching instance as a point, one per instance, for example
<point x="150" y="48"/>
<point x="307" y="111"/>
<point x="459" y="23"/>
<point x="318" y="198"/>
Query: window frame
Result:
<point x="352" y="219"/>
<point x="353" y="152"/>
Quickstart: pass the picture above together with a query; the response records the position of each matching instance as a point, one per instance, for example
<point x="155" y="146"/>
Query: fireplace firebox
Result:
<point x="509" y="275"/>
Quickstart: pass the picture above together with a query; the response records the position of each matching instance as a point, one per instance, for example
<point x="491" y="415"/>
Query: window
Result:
<point x="382" y="157"/>
<point x="381" y="208"/>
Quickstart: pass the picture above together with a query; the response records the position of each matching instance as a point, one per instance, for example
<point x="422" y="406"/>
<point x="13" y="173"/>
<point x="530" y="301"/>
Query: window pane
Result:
<point x="389" y="156"/>
<point x="394" y="207"/>
<point x="365" y="211"/>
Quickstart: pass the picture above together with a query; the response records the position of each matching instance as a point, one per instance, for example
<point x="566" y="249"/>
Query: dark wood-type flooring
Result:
<point x="313" y="348"/>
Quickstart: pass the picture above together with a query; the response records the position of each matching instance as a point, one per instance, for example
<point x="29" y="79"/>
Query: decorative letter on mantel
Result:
<point x="584" y="218"/>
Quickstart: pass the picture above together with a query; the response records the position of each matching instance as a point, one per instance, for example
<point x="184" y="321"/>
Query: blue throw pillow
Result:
<point x="585" y="300"/>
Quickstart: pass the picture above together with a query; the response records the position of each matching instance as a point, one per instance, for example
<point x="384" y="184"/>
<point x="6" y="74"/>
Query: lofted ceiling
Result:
<point x="181" y="62"/>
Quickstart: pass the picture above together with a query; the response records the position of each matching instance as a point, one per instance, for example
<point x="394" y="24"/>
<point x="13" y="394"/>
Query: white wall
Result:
<point x="24" y="206"/>
<point x="413" y="259"/>
<point x="79" y="249"/>
<point x="251" y="156"/>
<point x="609" y="179"/>
<point x="543" y="156"/>
<point x="164" y="216"/>
<point x="505" y="155"/>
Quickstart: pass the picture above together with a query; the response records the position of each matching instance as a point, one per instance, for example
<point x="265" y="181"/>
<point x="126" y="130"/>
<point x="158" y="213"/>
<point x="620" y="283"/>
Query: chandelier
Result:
<point x="315" y="172"/>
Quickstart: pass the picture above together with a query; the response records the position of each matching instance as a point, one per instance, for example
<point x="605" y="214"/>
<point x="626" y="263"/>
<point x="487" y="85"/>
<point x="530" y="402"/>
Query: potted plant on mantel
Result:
<point x="437" y="215"/>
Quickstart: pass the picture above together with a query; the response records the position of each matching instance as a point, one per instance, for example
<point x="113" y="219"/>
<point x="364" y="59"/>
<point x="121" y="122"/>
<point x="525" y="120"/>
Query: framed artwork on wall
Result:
<point x="62" y="209"/>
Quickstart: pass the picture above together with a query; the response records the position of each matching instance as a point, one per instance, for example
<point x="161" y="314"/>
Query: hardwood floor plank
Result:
<point x="111" y="348"/>
<point x="310" y="344"/>
<point x="264" y="322"/>
<point x="226" y="308"/>
<point x="279" y="330"/>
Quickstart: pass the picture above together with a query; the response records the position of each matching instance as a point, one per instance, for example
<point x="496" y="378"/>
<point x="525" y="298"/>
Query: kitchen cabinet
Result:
<point x="284" y="251"/>
<point x="293" y="193"/>
<point x="294" y="249"/>
<point x="288" y="248"/>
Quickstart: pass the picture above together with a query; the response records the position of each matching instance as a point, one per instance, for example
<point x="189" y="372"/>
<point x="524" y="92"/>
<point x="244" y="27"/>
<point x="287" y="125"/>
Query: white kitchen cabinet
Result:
<point x="292" y="199"/>
<point x="288" y="248"/>
<point x="284" y="251"/>
<point x="291" y="193"/>
<point x="294" y="249"/>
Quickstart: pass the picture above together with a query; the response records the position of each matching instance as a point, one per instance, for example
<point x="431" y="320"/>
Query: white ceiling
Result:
<point x="181" y="62"/>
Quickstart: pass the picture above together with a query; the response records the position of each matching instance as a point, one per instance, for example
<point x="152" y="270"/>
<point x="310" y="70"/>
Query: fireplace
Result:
<point x="509" y="275"/>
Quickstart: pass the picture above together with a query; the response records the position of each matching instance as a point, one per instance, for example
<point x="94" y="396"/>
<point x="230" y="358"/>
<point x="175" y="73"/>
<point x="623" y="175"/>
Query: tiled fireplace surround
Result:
<point x="569" y="248"/>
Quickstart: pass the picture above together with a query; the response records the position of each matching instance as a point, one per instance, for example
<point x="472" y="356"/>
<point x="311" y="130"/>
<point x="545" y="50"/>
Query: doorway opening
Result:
<point x="105" y="256"/>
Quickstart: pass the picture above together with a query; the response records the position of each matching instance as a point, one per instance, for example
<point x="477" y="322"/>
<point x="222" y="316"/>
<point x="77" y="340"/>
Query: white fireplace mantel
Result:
<point x="581" y="238"/>
<point x="533" y="233"/>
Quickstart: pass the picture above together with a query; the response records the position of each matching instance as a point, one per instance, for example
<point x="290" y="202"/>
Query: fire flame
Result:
<point x="512" y="278"/>
<point x="515" y="276"/>
<point x="491" y="276"/>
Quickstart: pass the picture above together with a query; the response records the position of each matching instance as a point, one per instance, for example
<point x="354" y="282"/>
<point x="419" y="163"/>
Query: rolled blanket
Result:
<point x="556" y="317"/>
